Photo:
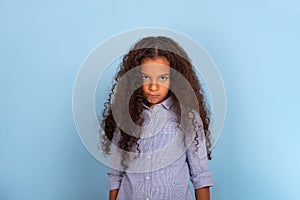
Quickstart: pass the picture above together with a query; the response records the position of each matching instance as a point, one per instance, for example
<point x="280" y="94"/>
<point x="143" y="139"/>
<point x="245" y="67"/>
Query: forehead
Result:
<point x="156" y="66"/>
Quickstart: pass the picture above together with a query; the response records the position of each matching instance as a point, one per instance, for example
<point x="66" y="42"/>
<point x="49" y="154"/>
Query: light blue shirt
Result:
<point x="170" y="172"/>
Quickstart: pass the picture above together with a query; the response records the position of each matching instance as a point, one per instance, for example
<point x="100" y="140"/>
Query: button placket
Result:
<point x="148" y="184"/>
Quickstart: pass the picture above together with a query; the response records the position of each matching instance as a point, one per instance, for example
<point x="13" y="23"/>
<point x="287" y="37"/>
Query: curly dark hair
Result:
<point x="131" y="90"/>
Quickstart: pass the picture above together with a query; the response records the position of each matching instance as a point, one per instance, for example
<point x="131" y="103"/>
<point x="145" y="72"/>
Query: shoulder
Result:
<point x="193" y="116"/>
<point x="116" y="137"/>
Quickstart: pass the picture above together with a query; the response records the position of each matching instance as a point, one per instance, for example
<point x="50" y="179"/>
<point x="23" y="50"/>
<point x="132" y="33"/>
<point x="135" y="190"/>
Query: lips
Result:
<point x="152" y="96"/>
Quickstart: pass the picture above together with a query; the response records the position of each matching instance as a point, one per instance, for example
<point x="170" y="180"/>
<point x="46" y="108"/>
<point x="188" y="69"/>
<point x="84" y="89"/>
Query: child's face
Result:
<point x="156" y="79"/>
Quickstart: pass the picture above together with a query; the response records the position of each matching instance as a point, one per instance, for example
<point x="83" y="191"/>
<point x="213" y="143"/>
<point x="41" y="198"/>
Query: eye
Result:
<point x="145" y="77"/>
<point x="164" y="78"/>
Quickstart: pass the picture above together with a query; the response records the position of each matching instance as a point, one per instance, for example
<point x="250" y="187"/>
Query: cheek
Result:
<point x="145" y="87"/>
<point x="166" y="90"/>
<point x="166" y="84"/>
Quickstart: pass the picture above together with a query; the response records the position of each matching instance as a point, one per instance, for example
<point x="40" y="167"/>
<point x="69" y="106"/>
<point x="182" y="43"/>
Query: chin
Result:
<point x="153" y="102"/>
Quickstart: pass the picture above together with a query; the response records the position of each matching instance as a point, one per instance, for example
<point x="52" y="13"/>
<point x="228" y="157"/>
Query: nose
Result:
<point x="153" y="87"/>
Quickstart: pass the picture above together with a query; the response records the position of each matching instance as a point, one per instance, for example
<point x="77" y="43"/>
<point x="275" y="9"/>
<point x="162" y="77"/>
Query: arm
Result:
<point x="113" y="194"/>
<point x="197" y="160"/>
<point x="202" y="194"/>
<point x="114" y="176"/>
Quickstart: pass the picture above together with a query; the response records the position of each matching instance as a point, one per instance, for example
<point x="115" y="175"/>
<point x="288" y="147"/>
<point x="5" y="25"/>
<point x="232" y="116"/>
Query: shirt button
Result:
<point x="147" y="199"/>
<point x="147" y="177"/>
<point x="149" y="157"/>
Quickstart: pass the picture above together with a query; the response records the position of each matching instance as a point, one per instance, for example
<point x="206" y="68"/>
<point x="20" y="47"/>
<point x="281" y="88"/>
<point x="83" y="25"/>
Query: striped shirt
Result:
<point x="163" y="170"/>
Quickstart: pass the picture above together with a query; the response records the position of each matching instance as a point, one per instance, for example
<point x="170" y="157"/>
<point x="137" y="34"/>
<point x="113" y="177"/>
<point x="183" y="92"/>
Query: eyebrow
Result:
<point x="159" y="75"/>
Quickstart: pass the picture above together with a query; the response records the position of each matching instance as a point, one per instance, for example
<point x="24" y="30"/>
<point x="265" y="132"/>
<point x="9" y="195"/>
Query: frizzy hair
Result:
<point x="149" y="48"/>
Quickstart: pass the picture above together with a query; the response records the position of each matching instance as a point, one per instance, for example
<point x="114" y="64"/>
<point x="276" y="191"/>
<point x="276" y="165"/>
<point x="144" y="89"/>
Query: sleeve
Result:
<point x="115" y="176"/>
<point x="197" y="160"/>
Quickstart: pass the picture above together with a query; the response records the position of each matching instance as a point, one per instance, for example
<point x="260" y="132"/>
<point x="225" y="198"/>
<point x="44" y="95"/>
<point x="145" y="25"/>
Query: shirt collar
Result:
<point x="167" y="103"/>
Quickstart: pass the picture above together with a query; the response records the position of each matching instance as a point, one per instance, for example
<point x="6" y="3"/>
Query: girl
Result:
<point x="156" y="126"/>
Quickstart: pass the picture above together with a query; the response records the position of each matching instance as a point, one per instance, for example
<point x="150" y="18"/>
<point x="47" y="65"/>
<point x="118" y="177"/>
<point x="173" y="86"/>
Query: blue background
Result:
<point x="255" y="45"/>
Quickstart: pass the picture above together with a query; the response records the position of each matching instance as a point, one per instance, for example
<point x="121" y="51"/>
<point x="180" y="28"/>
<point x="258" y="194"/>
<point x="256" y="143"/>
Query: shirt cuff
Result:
<point x="114" y="180"/>
<point x="203" y="181"/>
